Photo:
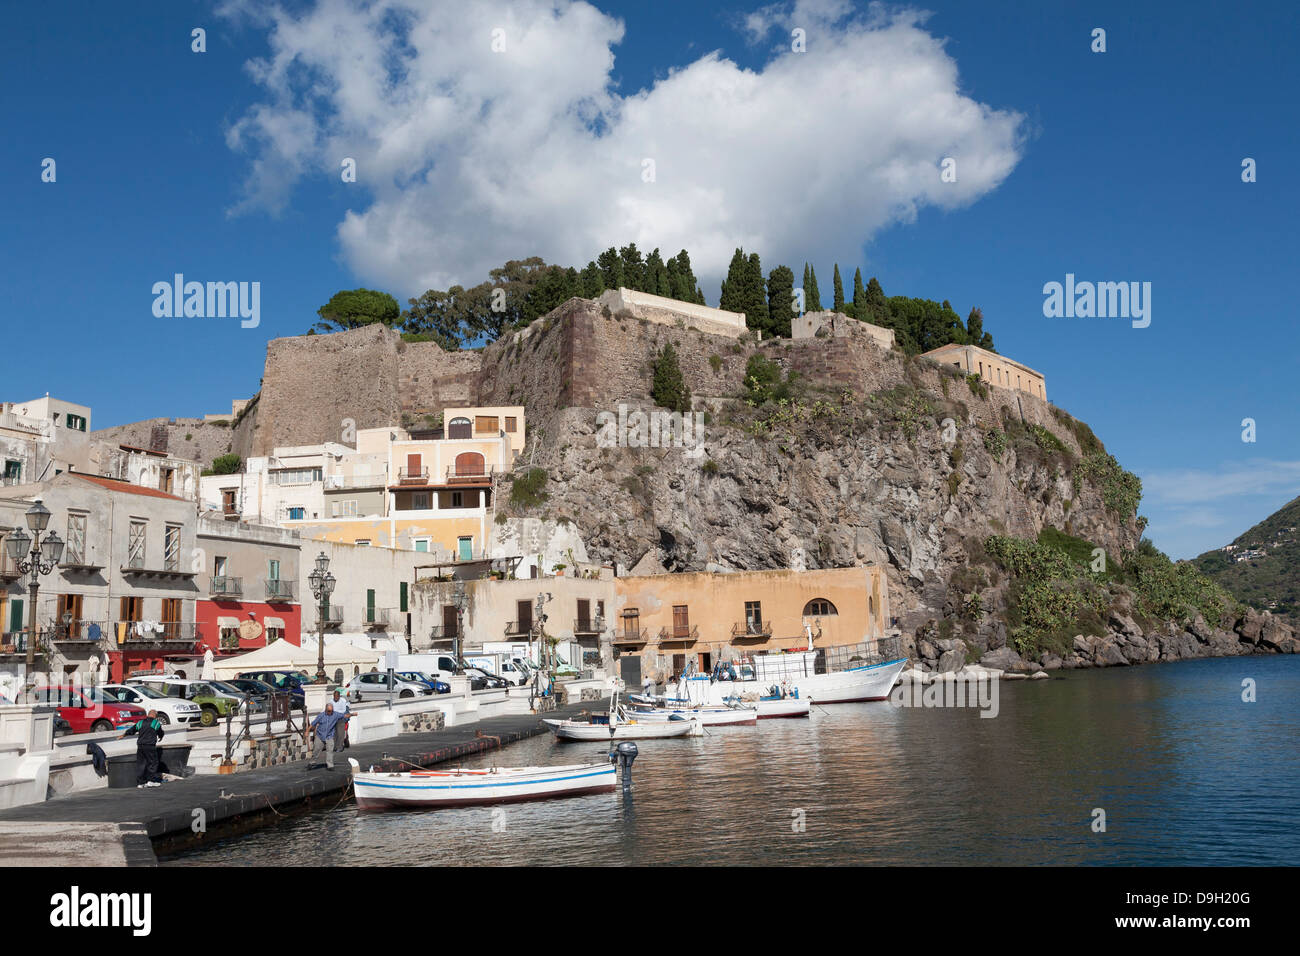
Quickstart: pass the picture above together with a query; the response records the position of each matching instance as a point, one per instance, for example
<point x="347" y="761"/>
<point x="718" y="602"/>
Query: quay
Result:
<point x="104" y="827"/>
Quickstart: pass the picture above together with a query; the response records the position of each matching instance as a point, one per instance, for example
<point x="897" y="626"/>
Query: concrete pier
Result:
<point x="111" y="827"/>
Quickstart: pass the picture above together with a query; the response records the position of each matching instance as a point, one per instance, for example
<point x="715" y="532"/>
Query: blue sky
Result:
<point x="1124" y="165"/>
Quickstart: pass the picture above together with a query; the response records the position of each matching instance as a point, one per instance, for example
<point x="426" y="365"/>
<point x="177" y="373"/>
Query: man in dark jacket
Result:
<point x="147" y="733"/>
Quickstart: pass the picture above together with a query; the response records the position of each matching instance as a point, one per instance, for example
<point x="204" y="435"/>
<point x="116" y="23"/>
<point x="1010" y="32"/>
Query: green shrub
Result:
<point x="715" y="362"/>
<point x="669" y="388"/>
<point x="527" y="490"/>
<point x="995" y="440"/>
<point x="226" y="464"/>
<point x="1120" y="490"/>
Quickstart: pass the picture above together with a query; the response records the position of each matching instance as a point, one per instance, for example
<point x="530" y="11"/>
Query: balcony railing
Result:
<point x="333" y="616"/>
<point x="413" y="476"/>
<point x="631" y="635"/>
<point x="444" y="632"/>
<point x="79" y="632"/>
<point x="338" y="482"/>
<point x="680" y="633"/>
<point x="469" y="473"/>
<point x="518" y="628"/>
<point x="223" y="585"/>
<point x="375" y="618"/>
<point x="278" y="589"/>
<point x="753" y="629"/>
<point x="583" y="625"/>
<point x="158" y="635"/>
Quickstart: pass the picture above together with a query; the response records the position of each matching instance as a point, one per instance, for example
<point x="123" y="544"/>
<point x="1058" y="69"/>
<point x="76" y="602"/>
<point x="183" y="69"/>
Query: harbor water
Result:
<point x="1169" y="758"/>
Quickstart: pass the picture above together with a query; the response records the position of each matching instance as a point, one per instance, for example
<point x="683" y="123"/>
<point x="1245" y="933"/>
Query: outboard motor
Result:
<point x="623" y="755"/>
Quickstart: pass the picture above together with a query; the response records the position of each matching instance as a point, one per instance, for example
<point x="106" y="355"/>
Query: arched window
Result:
<point x="460" y="428"/>
<point x="470" y="464"/>
<point x="819" y="607"/>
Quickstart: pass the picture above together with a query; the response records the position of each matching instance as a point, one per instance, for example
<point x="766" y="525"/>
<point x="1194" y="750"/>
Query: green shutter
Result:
<point x="370" y="605"/>
<point x="403" y="596"/>
<point x="15" y="614"/>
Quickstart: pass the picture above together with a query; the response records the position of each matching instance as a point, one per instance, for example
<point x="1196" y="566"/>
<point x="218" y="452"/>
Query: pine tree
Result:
<point x="975" y="334"/>
<point x="669" y="389"/>
<point x="611" y="268"/>
<point x="593" y="282"/>
<point x="877" y="306"/>
<point x="812" y="297"/>
<point x="780" y="301"/>
<point x="756" y="316"/>
<point x="634" y="272"/>
<point x="859" y="297"/>
<point x="838" y="305"/>
<point x="733" y="286"/>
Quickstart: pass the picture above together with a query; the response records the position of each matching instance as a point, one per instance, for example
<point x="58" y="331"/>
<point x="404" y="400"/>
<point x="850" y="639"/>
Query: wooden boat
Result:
<point x="768" y="708"/>
<point x="743" y="715"/>
<point x="624" y="729"/>
<point x="424" y="789"/>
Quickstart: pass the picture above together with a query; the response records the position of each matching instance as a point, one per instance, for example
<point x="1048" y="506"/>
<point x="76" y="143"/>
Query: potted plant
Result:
<point x="559" y="570"/>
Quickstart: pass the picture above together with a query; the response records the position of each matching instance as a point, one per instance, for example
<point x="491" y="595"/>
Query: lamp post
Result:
<point x="322" y="586"/>
<point x="539" y="623"/>
<point x="461" y="600"/>
<point x="41" y="559"/>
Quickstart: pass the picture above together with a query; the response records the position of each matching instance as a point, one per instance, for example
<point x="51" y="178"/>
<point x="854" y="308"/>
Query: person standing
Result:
<point x="147" y="733"/>
<point x="323" y="728"/>
<point x="343" y="709"/>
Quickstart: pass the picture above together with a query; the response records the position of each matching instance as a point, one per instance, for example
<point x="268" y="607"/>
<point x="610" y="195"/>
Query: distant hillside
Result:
<point x="1262" y="566"/>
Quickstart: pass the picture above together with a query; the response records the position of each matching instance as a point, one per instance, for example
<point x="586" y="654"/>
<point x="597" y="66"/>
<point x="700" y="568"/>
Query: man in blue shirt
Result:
<point x="323" y="734"/>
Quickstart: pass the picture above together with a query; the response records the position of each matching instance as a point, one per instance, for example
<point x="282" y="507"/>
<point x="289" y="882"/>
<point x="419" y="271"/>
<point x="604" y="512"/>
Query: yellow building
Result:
<point x="992" y="368"/>
<point x="667" y="618"/>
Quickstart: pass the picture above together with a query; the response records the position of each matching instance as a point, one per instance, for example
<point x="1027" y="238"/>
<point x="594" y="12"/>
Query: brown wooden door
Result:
<point x="681" y="623"/>
<point x="524" y="610"/>
<point x="584" y="615"/>
<point x="449" y="620"/>
<point x="413" y="466"/>
<point x="470" y="464"/>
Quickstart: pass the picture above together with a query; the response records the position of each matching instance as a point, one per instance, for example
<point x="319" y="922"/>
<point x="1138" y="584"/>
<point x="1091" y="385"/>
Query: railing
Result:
<point x="751" y="629"/>
<point x="469" y="472"/>
<point x="165" y="632"/>
<point x="336" y="482"/>
<point x="584" y="625"/>
<point x="685" y="633"/>
<point x="375" y="617"/>
<point x="413" y="476"/>
<point x="78" y="632"/>
<point x="518" y="628"/>
<point x="278" y="589"/>
<point x="849" y="656"/>
<point x="333" y="616"/>
<point x="226" y="585"/>
<point x="444" y="632"/>
<point x="631" y="635"/>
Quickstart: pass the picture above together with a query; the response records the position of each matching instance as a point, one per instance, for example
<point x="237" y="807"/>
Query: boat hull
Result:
<point x="567" y="730"/>
<point x="719" y="717"/>
<point x="869" y="682"/>
<point x="389" y="791"/>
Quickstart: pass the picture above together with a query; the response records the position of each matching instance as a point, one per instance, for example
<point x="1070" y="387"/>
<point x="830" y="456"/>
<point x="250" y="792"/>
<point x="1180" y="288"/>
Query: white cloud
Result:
<point x="466" y="157"/>
<point x="1191" y="486"/>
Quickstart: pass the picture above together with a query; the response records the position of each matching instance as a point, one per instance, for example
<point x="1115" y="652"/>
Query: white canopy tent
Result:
<point x="285" y="655"/>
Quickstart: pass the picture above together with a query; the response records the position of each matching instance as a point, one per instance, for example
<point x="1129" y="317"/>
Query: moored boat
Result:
<point x="418" y="789"/>
<point x="626" y="729"/>
<point x="708" y="716"/>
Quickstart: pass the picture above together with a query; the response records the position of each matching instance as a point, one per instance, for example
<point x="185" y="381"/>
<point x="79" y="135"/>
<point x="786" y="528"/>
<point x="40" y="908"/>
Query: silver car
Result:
<point x="374" y="686"/>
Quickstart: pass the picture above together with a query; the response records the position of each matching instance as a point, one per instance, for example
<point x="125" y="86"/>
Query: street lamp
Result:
<point x="41" y="559"/>
<point x="539" y="622"/>
<point x="461" y="600"/>
<point x="322" y="586"/>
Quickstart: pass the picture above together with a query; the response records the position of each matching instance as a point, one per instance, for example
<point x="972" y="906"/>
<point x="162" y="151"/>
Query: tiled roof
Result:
<point x="114" y="484"/>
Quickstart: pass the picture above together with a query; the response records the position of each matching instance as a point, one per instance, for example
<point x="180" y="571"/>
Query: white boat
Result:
<point x="628" y="729"/>
<point x="768" y="708"/>
<point x="454" y="788"/>
<point x="796" y="674"/>
<point x="708" y="716"/>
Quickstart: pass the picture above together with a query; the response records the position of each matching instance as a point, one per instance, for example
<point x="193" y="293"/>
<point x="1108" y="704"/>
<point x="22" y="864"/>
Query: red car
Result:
<point x="86" y="710"/>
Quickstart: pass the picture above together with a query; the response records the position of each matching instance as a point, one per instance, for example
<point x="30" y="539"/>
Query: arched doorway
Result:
<point x="460" y="428"/>
<point x="469" y="464"/>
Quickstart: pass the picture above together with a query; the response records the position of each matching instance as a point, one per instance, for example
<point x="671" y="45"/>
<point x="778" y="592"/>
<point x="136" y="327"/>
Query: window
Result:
<point x="69" y="609"/>
<point x="459" y="428"/>
<point x="228" y="504"/>
<point x="753" y="617"/>
<point x="370" y="605"/>
<point x="681" y="621"/>
<point x="345" y="509"/>
<point x="819" y="607"/>
<point x="512" y="425"/>
<point x="420" y="501"/>
<point x="458" y="499"/>
<point x="274" y="634"/>
<point x="166" y="478"/>
<point x="485" y="424"/>
<point x="75" y="550"/>
<point x="77" y="422"/>
<point x="401" y="596"/>
<point x="296" y="476"/>
<point x="362" y="542"/>
<point x="135" y="545"/>
<point x="273" y="569"/>
<point x="297" y="513"/>
<point x="172" y="548"/>
<point x="13" y="471"/>
<point x="171" y="618"/>
<point x="131" y="609"/>
<point x="631" y="623"/>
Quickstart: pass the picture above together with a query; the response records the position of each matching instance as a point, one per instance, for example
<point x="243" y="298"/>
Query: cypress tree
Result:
<point x="812" y="297"/>
<point x="756" y="316"/>
<point x="669" y="389"/>
<point x="780" y="300"/>
<point x="733" y="286"/>
<point x="611" y="268"/>
<point x="634" y="271"/>
<point x="838" y="305"/>
<point x="859" y="297"/>
<point x="877" y="307"/>
<point x="593" y="282"/>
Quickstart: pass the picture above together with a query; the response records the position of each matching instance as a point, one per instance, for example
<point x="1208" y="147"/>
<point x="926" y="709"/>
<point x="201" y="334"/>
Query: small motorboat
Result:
<point x="742" y="715"/>
<point x="425" y="789"/>
<point x="624" y="728"/>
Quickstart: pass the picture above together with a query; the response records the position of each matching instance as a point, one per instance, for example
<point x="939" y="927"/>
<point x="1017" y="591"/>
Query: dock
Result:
<point x="128" y="827"/>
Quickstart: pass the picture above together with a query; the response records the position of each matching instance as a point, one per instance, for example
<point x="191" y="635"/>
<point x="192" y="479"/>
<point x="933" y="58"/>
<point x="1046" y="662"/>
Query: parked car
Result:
<point x="255" y="705"/>
<point x="170" y="709"/>
<point x="260" y="691"/>
<point x="489" y="680"/>
<point x="83" y="712"/>
<point x="374" y="685"/>
<point x="291" y="681"/>
<point x="439" y="687"/>
<point x="213" y="704"/>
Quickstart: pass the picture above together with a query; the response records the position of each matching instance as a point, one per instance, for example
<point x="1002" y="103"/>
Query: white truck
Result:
<point x="500" y="665"/>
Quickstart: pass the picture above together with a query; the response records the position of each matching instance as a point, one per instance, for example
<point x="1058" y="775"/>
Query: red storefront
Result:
<point x="228" y="627"/>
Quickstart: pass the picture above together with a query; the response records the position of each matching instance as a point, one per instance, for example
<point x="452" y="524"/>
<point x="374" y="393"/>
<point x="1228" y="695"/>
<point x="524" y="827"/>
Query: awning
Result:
<point x="227" y="622"/>
<point x="273" y="622"/>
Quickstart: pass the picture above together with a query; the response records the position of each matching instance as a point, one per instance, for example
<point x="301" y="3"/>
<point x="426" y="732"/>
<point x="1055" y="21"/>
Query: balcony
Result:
<point x="470" y="474"/>
<point x="333" y="616"/>
<point x="413" y="476"/>
<point x="86" y="633"/>
<point x="279" y="591"/>
<point x="153" y="634"/>
<point x="444" y="632"/>
<point x="630" y="636"/>
<point x="753" y="630"/>
<point x="588" y="626"/>
<point x="223" y="586"/>
<point x="375" y="618"/>
<point x="519" y="628"/>
<point x="171" y="572"/>
<point x="680" y="634"/>
<point x="341" y="482"/>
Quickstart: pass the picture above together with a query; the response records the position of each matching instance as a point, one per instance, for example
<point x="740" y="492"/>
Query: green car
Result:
<point x="216" y="704"/>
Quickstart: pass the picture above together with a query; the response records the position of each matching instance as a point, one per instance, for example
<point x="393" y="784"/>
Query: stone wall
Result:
<point x="422" y="723"/>
<point x="189" y="438"/>
<point x="275" y="750"/>
<point x="665" y="311"/>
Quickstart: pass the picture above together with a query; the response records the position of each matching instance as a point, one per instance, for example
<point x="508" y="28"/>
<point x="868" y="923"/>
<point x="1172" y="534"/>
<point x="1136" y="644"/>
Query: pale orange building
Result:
<point x="992" y="368"/>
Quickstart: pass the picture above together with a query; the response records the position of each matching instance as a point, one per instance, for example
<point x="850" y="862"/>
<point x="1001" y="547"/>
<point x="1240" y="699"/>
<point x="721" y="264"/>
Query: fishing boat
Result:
<point x="728" y="716"/>
<point x="836" y="675"/>
<point x="426" y="789"/>
<point x="624" y="728"/>
<point x="767" y="707"/>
